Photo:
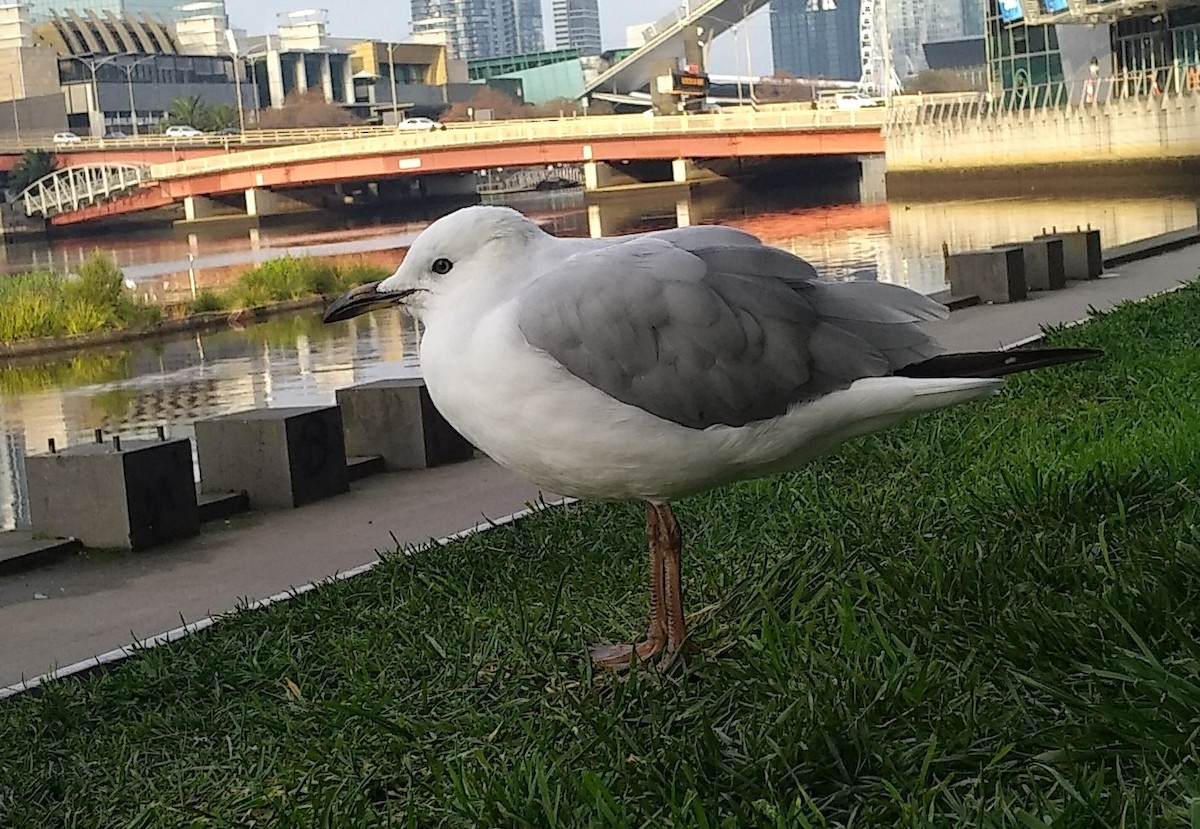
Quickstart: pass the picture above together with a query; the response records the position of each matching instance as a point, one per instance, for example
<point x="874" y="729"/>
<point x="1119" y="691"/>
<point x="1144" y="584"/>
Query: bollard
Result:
<point x="129" y="495"/>
<point x="1082" y="256"/>
<point x="996" y="275"/>
<point x="1044" y="265"/>
<point x="396" y="420"/>
<point x="283" y="457"/>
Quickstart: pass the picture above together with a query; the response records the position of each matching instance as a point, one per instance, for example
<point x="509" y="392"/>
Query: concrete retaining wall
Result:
<point x="1157" y="128"/>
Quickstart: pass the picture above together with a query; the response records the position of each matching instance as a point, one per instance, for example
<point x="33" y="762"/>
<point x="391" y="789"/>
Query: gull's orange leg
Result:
<point x="617" y="656"/>
<point x="672" y="552"/>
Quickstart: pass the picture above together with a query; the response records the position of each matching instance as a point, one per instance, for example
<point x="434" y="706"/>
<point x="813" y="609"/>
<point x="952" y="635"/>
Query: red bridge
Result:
<point x="263" y="175"/>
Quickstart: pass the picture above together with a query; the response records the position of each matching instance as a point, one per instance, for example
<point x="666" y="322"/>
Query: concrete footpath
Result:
<point x="85" y="606"/>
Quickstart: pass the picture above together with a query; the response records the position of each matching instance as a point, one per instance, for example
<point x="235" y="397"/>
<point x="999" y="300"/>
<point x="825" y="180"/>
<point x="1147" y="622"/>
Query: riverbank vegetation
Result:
<point x="45" y="304"/>
<point x="989" y="617"/>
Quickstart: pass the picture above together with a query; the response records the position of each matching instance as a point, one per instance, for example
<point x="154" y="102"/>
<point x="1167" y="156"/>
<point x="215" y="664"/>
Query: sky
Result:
<point x="382" y="21"/>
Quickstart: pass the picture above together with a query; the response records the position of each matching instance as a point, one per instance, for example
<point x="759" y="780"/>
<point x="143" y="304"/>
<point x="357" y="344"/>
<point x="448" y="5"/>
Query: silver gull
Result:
<point x="657" y="365"/>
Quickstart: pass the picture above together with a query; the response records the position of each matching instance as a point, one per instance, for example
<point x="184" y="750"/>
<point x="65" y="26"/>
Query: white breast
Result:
<point x="529" y="414"/>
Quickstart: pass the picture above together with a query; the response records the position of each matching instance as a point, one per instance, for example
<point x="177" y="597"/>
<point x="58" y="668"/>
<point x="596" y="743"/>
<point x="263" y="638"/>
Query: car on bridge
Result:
<point x="182" y="131"/>
<point x="855" y="100"/>
<point x="420" y="124"/>
<point x="66" y="138"/>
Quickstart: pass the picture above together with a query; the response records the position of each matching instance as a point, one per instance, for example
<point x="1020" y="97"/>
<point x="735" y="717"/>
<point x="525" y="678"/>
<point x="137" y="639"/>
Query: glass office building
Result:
<point x="816" y="38"/>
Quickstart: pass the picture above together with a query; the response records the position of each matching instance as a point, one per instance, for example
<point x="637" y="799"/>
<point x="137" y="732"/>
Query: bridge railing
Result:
<point x="547" y="130"/>
<point x="1152" y="85"/>
<point x="250" y="138"/>
<point x="74" y="187"/>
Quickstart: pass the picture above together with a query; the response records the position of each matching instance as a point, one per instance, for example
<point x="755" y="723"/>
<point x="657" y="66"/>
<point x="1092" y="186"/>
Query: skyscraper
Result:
<point x="528" y="21"/>
<point x="913" y="23"/>
<point x="577" y="25"/>
<point x="816" y="38"/>
<point x="473" y="29"/>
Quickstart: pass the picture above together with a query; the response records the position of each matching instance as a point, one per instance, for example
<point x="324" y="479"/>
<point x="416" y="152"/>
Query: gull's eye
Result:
<point x="441" y="266"/>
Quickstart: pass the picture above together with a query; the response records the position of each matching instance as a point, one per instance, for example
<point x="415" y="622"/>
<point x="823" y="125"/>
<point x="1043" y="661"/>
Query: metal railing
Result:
<point x="251" y="138"/>
<point x="533" y="131"/>
<point x="74" y="187"/>
<point x="1150" y="86"/>
<point x="494" y="182"/>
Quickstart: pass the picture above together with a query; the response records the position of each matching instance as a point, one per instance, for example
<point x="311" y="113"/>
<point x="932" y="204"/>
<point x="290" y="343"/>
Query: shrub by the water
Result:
<point x="47" y="304"/>
<point x="207" y="301"/>
<point x="279" y="280"/>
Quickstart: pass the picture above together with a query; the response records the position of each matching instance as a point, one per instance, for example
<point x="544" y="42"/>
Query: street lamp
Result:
<point x="129" y="67"/>
<point x="733" y="28"/>
<point x="16" y="115"/>
<point x="392" y="82"/>
<point x="93" y="63"/>
<point x="231" y="40"/>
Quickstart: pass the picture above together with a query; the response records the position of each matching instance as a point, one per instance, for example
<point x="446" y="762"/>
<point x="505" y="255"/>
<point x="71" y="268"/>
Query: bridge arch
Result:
<point x="74" y="187"/>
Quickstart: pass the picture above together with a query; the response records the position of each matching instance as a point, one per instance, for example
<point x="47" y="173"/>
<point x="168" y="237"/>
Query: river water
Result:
<point x="298" y="361"/>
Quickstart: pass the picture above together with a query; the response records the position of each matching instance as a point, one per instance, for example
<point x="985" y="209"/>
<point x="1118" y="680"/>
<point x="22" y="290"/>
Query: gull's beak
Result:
<point x="360" y="300"/>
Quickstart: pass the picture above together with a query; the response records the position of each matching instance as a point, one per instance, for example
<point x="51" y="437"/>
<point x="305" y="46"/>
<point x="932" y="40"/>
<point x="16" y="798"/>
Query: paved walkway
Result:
<point x="81" y="607"/>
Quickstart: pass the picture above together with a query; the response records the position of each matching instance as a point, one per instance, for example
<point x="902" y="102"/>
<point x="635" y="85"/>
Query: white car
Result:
<point x="182" y="131"/>
<point x="66" y="138"/>
<point x="422" y="124"/>
<point x="856" y="100"/>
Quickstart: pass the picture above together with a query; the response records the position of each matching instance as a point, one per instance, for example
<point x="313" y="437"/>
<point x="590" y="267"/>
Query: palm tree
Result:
<point x="189" y="111"/>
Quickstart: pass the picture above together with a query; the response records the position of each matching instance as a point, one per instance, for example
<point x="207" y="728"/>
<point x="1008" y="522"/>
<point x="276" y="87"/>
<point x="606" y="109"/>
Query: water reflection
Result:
<point x="285" y="362"/>
<point x="298" y="361"/>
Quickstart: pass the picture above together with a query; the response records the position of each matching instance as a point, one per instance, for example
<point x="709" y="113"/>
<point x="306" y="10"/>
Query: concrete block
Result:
<point x="283" y="457"/>
<point x="1044" y="267"/>
<point x="130" y="498"/>
<point x="1082" y="258"/>
<point x="397" y="420"/>
<point x="996" y="275"/>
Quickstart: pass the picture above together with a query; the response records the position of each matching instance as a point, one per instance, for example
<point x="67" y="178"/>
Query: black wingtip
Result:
<point x="996" y="363"/>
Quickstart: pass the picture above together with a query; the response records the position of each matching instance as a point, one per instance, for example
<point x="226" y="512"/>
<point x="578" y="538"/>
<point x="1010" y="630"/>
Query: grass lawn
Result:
<point x="989" y="617"/>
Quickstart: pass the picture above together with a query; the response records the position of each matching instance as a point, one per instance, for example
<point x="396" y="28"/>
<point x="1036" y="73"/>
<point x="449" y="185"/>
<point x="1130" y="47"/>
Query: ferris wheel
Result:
<point x="878" y="74"/>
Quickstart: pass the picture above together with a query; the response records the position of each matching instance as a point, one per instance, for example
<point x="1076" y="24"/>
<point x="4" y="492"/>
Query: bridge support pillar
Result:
<point x="684" y="169"/>
<point x="598" y="174"/>
<point x="261" y="202"/>
<point x="198" y="207"/>
<point x="683" y="212"/>
<point x="872" y="184"/>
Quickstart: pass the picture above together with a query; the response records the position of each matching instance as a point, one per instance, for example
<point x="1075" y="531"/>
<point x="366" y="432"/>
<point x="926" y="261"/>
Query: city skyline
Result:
<point x="354" y="20"/>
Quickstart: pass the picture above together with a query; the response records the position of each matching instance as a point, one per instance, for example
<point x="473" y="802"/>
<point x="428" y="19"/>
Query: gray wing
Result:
<point x="704" y="334"/>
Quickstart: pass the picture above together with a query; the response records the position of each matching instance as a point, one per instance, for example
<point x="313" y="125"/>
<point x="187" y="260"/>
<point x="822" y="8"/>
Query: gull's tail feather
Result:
<point x="995" y="363"/>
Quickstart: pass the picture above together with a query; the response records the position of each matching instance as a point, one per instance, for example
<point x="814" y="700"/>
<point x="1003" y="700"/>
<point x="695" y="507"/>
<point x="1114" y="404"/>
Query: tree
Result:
<point x="31" y="166"/>
<point x="782" y="88"/>
<point x="932" y="81"/>
<point x="219" y="117"/>
<point x="305" y="109"/>
<point x="488" y="98"/>
<point x="193" y="112"/>
<point x="557" y="107"/>
<point x="186" y="112"/>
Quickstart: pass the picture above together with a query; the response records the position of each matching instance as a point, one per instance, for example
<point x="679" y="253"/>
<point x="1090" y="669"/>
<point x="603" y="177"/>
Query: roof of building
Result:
<point x="483" y="68"/>
<point x="958" y="53"/>
<point x="74" y="32"/>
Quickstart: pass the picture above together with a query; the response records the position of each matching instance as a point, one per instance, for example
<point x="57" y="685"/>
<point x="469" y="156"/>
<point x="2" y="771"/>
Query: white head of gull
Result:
<point x="657" y="365"/>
